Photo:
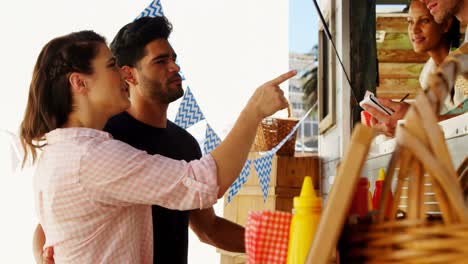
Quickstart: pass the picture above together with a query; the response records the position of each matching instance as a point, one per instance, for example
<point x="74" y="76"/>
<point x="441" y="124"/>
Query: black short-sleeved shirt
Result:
<point x="170" y="227"/>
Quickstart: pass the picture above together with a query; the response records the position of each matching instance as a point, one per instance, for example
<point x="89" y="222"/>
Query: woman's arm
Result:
<point x="115" y="173"/>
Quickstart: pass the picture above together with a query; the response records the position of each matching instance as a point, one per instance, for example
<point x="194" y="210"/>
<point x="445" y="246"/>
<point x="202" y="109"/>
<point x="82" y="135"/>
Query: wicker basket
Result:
<point x="419" y="236"/>
<point x="272" y="130"/>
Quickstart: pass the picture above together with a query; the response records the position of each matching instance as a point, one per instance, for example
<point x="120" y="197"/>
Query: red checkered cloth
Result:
<point x="267" y="237"/>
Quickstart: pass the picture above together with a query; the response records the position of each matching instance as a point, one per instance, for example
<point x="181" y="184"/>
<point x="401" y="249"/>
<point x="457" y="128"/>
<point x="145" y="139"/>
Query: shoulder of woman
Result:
<point x="428" y="68"/>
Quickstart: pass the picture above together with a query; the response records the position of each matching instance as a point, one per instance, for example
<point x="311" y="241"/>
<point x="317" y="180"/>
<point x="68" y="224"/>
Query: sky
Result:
<point x="303" y="26"/>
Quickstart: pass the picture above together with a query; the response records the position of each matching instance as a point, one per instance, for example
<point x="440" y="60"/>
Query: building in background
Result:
<point x="303" y="95"/>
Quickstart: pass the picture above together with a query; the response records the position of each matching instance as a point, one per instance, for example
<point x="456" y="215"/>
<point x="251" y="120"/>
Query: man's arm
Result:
<point x="41" y="257"/>
<point x="217" y="231"/>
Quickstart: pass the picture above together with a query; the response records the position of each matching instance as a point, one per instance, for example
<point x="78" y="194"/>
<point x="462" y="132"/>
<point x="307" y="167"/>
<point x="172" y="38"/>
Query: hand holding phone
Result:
<point x="371" y="99"/>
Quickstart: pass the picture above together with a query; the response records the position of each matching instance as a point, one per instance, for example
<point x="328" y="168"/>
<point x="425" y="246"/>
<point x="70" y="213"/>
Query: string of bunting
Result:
<point x="189" y="113"/>
<point x="263" y="164"/>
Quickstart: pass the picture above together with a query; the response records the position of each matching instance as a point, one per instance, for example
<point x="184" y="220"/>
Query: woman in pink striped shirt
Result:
<point x="92" y="192"/>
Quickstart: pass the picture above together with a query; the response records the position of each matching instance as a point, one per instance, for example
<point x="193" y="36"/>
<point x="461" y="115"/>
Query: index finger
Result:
<point x="283" y="77"/>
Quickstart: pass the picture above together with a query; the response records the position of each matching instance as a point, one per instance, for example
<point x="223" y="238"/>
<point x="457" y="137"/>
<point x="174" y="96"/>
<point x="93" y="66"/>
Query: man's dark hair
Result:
<point x="129" y="44"/>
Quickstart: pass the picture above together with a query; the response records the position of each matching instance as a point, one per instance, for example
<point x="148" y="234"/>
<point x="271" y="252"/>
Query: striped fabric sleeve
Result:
<point x="115" y="173"/>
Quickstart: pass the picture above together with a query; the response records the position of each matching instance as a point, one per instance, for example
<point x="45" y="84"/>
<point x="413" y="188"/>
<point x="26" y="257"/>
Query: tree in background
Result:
<point x="309" y="78"/>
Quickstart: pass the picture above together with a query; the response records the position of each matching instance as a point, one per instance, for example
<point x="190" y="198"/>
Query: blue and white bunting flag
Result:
<point x="211" y="140"/>
<point x="153" y="10"/>
<point x="263" y="167"/>
<point x="189" y="112"/>
<point x="240" y="181"/>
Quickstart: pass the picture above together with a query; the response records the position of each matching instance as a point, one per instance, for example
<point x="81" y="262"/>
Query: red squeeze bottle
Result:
<point x="360" y="205"/>
<point x="379" y="183"/>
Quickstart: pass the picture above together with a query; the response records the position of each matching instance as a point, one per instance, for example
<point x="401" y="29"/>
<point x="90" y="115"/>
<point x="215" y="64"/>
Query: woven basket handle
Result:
<point x="289" y="109"/>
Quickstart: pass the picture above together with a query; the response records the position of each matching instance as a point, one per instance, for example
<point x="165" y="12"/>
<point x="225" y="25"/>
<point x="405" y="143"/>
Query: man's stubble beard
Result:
<point x="156" y="93"/>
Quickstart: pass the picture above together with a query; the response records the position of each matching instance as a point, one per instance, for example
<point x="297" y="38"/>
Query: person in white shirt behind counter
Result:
<point x="426" y="36"/>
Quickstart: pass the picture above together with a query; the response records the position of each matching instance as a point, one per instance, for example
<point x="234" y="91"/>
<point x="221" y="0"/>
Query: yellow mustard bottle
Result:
<point x="306" y="216"/>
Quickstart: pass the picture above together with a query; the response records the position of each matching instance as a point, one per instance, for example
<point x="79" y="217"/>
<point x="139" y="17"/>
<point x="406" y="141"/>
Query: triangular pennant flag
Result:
<point x="239" y="182"/>
<point x="211" y="140"/>
<point x="153" y="10"/>
<point x="263" y="168"/>
<point x="189" y="112"/>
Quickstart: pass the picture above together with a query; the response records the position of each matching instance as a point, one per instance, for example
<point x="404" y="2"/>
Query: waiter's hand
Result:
<point x="384" y="123"/>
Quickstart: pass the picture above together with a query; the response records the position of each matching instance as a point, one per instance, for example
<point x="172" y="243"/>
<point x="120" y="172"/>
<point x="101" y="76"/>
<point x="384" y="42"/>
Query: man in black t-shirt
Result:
<point x="147" y="59"/>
